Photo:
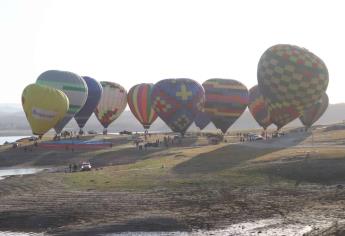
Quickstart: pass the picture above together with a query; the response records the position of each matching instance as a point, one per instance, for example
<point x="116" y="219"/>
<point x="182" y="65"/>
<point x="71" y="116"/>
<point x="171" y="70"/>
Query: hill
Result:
<point x="13" y="121"/>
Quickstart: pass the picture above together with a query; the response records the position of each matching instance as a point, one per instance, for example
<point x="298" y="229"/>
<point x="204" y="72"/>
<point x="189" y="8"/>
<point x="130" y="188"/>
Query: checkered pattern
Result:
<point x="310" y="116"/>
<point x="291" y="80"/>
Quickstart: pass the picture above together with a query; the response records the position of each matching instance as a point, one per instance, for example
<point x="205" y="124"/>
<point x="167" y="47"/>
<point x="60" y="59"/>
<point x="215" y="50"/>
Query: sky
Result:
<point x="136" y="41"/>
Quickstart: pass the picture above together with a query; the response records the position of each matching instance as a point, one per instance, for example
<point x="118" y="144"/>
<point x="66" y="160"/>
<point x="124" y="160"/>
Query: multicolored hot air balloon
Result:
<point x="177" y="101"/>
<point x="113" y="102"/>
<point x="72" y="85"/>
<point x="310" y="116"/>
<point x="93" y="97"/>
<point x="291" y="79"/>
<point x="44" y="107"/>
<point x="258" y="107"/>
<point x="202" y="119"/>
<point x="139" y="101"/>
<point x="226" y="100"/>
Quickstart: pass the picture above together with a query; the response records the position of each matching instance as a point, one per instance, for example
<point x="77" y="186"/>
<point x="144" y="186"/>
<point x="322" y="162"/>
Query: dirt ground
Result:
<point x="41" y="203"/>
<point x="61" y="204"/>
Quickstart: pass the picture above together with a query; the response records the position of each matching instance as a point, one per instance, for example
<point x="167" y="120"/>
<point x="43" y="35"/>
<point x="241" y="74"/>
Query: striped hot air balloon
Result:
<point x="113" y="102"/>
<point x="226" y="100"/>
<point x="291" y="79"/>
<point x="72" y="85"/>
<point x="310" y="116"/>
<point x="258" y="107"/>
<point x="139" y="101"/>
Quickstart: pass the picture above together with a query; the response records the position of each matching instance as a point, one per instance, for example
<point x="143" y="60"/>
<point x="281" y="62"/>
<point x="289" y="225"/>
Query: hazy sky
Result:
<point x="133" y="41"/>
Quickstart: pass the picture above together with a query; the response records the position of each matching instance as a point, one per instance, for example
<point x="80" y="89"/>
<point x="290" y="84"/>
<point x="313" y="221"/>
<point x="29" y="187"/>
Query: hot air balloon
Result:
<point x="113" y="102"/>
<point x="201" y="120"/>
<point x="291" y="79"/>
<point x="72" y="85"/>
<point x="258" y="107"/>
<point x="93" y="97"/>
<point x="139" y="101"/>
<point x="310" y="116"/>
<point x="177" y="101"/>
<point x="44" y="107"/>
<point x="226" y="100"/>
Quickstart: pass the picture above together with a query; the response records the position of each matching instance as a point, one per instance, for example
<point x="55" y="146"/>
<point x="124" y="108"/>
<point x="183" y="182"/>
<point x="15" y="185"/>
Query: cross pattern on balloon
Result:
<point x="184" y="94"/>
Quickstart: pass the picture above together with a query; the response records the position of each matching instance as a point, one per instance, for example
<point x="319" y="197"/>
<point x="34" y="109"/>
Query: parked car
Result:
<point x="91" y="132"/>
<point x="32" y="138"/>
<point x="125" y="132"/>
<point x="85" y="166"/>
<point x="258" y="137"/>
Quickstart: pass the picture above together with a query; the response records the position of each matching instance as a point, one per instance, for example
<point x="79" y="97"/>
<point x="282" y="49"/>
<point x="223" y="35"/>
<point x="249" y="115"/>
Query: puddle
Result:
<point x="20" y="171"/>
<point x="8" y="233"/>
<point x="267" y="227"/>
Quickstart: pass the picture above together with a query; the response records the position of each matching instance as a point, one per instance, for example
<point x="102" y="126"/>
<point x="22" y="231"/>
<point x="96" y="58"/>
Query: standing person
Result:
<point x="70" y="168"/>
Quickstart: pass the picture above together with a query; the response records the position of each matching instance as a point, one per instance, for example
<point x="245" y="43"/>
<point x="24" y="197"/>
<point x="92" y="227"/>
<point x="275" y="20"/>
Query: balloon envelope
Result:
<point x="202" y="119"/>
<point x="72" y="85"/>
<point x="258" y="107"/>
<point x="93" y="97"/>
<point x="44" y="107"/>
<point x="113" y="102"/>
<point x="139" y="101"/>
<point x="310" y="116"/>
<point x="226" y="100"/>
<point x="291" y="79"/>
<point x="177" y="101"/>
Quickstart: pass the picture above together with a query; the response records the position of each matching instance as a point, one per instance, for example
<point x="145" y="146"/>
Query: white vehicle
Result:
<point x="85" y="166"/>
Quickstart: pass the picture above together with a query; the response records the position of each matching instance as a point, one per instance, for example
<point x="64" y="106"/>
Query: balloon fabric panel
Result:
<point x="177" y="101"/>
<point x="93" y="98"/>
<point x="291" y="80"/>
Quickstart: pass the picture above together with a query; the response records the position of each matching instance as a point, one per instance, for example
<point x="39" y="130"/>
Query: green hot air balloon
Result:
<point x="291" y="79"/>
<point x="311" y="115"/>
<point x="72" y="85"/>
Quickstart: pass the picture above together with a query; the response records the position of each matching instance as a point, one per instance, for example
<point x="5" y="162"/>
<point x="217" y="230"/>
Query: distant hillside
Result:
<point x="12" y="120"/>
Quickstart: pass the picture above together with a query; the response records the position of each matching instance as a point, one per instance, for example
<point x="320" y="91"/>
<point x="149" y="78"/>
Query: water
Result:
<point x="9" y="233"/>
<point x="268" y="227"/>
<point x="22" y="171"/>
<point x="10" y="139"/>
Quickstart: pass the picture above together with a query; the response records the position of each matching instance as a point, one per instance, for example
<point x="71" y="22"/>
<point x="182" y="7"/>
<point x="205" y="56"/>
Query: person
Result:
<point x="70" y="168"/>
<point x="75" y="167"/>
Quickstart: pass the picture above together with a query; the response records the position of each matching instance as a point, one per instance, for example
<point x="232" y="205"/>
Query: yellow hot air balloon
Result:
<point x="44" y="107"/>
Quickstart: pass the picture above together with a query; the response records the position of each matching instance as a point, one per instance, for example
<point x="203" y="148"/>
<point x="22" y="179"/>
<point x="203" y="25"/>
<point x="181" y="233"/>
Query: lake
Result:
<point x="10" y="139"/>
<point x="21" y="171"/>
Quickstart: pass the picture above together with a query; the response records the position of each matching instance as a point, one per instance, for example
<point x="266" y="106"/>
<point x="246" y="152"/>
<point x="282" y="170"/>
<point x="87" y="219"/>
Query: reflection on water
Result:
<point x="8" y="233"/>
<point x="267" y="227"/>
<point x="22" y="171"/>
<point x="149" y="234"/>
<point x="10" y="139"/>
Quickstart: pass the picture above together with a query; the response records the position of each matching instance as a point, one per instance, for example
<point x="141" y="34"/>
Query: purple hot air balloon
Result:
<point x="93" y="97"/>
<point x="202" y="119"/>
